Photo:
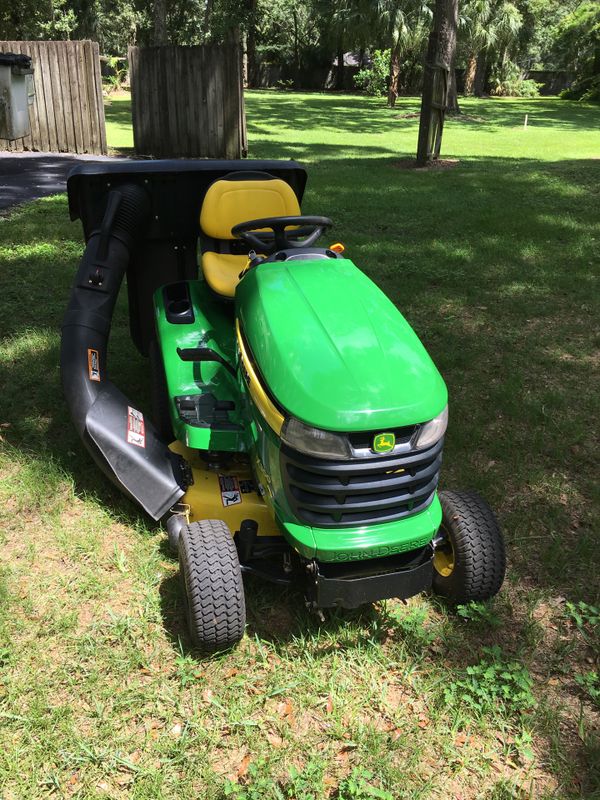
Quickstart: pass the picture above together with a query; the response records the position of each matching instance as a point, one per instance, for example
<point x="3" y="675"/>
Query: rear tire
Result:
<point x="215" y="607"/>
<point x="160" y="394"/>
<point x="471" y="562"/>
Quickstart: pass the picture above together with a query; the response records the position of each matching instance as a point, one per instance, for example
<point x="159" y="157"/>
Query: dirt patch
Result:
<point x="465" y="118"/>
<point x="439" y="163"/>
<point x="458" y="117"/>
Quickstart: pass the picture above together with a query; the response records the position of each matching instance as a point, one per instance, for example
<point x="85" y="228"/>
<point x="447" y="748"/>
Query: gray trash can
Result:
<point x="16" y="95"/>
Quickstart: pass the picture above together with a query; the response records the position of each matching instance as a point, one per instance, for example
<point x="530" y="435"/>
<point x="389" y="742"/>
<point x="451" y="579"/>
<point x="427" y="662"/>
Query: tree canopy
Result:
<point x="496" y="41"/>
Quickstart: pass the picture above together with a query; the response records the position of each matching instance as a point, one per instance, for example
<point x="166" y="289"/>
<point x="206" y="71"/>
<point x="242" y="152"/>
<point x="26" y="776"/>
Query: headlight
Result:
<point x="314" y="441"/>
<point x="432" y="431"/>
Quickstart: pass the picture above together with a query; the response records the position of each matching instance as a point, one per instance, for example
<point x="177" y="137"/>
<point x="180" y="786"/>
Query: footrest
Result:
<point x="205" y="411"/>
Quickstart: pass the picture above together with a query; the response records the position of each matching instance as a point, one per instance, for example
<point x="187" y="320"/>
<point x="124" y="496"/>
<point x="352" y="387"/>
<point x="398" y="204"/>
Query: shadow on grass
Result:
<point x="276" y="615"/>
<point x="362" y="114"/>
<point x="268" y="111"/>
<point x="497" y="113"/>
<point x="118" y="112"/>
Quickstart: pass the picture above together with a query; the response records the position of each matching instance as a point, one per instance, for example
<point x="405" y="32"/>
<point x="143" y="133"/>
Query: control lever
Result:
<point x="197" y="354"/>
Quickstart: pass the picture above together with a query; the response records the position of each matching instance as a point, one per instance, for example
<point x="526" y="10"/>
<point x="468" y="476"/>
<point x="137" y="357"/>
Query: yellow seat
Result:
<point x="222" y="271"/>
<point x="229" y="201"/>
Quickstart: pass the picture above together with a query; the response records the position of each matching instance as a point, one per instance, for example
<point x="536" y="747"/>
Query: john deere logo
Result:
<point x="384" y="442"/>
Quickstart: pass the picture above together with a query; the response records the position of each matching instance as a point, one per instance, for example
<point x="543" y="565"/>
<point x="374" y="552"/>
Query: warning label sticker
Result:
<point x="230" y="490"/>
<point x="93" y="364"/>
<point x="136" y="430"/>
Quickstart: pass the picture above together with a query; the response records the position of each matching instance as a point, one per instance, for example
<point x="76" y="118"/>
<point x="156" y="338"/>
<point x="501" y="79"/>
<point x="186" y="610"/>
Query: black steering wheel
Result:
<point x="280" y="239"/>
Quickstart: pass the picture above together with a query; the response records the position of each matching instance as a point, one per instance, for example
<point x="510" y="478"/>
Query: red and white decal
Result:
<point x="136" y="430"/>
<point x="93" y="364"/>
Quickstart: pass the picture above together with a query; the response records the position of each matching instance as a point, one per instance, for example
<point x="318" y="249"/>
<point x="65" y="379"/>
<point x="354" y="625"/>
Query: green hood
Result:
<point x="333" y="349"/>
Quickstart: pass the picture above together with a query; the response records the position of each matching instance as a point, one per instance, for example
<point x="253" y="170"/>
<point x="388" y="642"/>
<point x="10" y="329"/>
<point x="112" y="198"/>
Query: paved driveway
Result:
<point x="25" y="176"/>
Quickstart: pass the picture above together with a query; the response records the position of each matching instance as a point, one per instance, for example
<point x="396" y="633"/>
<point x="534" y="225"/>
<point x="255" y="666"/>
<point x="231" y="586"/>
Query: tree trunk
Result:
<point x="440" y="52"/>
<point x="245" y="61"/>
<point x="296" y="51"/>
<point x="252" y="66"/>
<point x="339" y="72"/>
<point x="480" y="72"/>
<point x="159" y="27"/>
<point x="470" y="73"/>
<point x="394" y="73"/>
<point x="452" y="106"/>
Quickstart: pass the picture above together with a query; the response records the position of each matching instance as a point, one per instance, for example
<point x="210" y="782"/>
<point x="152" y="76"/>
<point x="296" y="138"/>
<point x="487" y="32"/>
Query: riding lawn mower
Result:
<point x="297" y="421"/>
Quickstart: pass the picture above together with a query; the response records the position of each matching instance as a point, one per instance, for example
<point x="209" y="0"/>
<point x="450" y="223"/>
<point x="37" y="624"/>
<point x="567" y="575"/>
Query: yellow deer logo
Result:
<point x="384" y="442"/>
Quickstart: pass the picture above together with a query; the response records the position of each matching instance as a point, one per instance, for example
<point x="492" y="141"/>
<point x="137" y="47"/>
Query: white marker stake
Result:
<point x="525" y="123"/>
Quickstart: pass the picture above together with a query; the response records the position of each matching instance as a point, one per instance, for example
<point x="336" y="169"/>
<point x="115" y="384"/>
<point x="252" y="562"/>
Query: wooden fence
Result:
<point x="188" y="102"/>
<point x="67" y="115"/>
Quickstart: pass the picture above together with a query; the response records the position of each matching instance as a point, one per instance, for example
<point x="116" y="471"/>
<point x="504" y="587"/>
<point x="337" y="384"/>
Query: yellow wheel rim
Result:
<point x="443" y="558"/>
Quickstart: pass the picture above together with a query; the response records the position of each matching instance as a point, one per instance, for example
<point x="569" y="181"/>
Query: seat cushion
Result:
<point x="222" y="271"/>
<point x="229" y="202"/>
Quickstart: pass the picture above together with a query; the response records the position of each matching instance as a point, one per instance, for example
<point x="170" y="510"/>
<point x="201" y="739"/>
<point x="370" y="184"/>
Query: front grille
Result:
<point x="337" y="494"/>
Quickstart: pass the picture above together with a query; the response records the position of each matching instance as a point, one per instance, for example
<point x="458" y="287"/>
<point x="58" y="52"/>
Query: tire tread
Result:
<point x="215" y="591"/>
<point x="480" y="555"/>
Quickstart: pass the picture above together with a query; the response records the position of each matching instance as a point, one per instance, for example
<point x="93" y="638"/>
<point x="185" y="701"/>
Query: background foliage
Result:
<point x="301" y="43"/>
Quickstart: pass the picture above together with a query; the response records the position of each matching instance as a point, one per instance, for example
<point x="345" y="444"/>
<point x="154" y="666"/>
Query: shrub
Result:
<point x="117" y="76"/>
<point x="586" y="89"/>
<point x="374" y="79"/>
<point x="284" y="85"/>
<point x="508" y="81"/>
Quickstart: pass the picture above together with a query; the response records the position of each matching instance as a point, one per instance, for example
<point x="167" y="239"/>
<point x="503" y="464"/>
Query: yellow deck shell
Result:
<point x="204" y="500"/>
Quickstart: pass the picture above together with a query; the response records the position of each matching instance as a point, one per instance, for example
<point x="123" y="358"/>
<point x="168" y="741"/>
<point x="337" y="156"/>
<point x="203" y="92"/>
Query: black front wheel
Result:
<point x="469" y="561"/>
<point x="213" y="590"/>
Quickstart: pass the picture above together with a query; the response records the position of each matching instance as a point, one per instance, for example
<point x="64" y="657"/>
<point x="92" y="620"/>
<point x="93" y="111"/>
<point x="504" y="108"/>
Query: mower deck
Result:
<point x="226" y="491"/>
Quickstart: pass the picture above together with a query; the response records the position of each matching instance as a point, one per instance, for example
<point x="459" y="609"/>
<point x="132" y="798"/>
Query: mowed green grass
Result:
<point x="494" y="261"/>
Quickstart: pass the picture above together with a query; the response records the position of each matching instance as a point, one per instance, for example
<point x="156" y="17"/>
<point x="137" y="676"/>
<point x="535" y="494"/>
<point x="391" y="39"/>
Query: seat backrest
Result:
<point x="242" y="196"/>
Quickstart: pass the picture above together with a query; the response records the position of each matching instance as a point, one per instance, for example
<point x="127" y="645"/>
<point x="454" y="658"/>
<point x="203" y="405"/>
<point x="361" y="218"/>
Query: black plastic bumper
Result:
<point x="332" y="586"/>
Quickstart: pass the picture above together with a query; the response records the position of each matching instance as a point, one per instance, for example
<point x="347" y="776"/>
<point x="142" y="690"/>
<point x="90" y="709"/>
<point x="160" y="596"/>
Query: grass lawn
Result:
<point x="494" y="262"/>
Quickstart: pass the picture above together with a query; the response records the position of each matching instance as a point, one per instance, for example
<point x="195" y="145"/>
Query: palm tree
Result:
<point x="491" y="25"/>
<point x="404" y="26"/>
<point x="410" y="34"/>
